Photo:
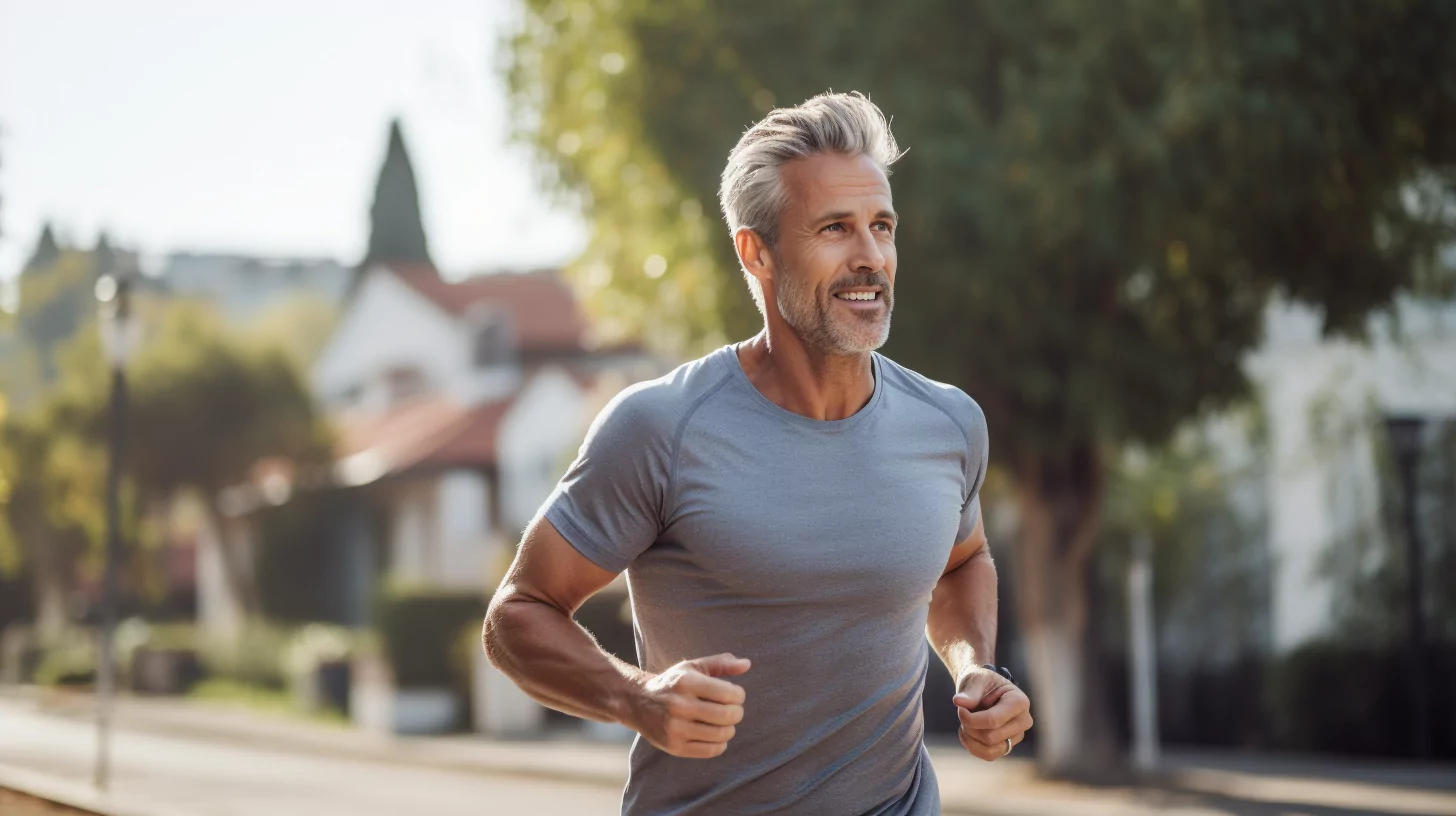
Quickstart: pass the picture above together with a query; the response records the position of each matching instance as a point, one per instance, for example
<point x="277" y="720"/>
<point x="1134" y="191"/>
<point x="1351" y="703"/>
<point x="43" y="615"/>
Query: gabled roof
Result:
<point x="430" y="431"/>
<point x="540" y="305"/>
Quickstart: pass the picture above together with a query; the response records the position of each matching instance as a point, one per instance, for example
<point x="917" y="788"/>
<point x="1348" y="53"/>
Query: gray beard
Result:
<point x="818" y="327"/>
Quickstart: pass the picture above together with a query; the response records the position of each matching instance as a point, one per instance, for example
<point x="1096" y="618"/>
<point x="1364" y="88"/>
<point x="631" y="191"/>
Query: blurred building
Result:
<point x="242" y="287"/>
<point x="459" y="404"/>
<point x="1322" y="402"/>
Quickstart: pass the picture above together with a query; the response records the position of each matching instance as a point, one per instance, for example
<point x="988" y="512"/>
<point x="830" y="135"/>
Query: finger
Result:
<point x="1017" y="726"/>
<point x="712" y="689"/>
<point x="702" y="732"/>
<point x="691" y="708"/>
<point x="981" y="738"/>
<point x="702" y="750"/>
<point x="721" y="665"/>
<point x="1011" y="705"/>
<point x="978" y="749"/>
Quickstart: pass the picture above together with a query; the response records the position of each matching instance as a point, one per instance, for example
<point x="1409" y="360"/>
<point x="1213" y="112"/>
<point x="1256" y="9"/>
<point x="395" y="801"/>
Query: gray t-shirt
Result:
<point x="809" y="547"/>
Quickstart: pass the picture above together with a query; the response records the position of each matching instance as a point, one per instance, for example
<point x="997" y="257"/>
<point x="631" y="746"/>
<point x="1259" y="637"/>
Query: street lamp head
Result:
<point x="118" y="323"/>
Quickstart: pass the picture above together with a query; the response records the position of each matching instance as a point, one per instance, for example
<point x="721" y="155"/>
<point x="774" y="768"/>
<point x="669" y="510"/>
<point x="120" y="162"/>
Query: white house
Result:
<point x="1322" y="402"/>
<point x="458" y="405"/>
<point x="461" y="404"/>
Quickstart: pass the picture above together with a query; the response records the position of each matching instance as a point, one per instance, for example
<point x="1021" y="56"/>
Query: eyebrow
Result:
<point x="844" y="214"/>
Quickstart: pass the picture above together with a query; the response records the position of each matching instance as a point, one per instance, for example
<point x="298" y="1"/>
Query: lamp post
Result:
<point x="1406" y="435"/>
<point x="118" y="332"/>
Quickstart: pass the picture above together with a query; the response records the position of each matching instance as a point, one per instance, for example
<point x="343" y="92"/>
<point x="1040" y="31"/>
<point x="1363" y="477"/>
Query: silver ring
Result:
<point x="1008" y="747"/>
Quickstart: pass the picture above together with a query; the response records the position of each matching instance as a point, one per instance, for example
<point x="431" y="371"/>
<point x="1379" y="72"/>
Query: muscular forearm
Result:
<point x="962" y="623"/>
<point x="556" y="661"/>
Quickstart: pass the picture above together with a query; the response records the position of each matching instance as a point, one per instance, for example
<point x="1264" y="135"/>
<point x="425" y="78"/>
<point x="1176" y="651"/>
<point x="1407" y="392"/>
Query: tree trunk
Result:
<point x="1059" y="499"/>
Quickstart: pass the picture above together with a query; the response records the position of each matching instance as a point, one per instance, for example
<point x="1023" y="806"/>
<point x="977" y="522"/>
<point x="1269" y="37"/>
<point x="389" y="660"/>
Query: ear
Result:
<point x="754" y="254"/>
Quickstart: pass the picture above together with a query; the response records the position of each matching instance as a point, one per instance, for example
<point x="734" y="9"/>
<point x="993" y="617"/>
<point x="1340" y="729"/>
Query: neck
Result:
<point x="806" y="380"/>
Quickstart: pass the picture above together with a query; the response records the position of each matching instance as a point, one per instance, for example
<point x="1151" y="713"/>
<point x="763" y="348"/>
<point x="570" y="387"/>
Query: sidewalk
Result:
<point x="1201" y="784"/>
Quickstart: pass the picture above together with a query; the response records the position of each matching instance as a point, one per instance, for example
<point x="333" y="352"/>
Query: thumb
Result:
<point x="974" y="695"/>
<point x="721" y="665"/>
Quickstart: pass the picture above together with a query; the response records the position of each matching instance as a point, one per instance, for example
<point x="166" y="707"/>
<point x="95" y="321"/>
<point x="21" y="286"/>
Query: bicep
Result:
<point x="548" y="569"/>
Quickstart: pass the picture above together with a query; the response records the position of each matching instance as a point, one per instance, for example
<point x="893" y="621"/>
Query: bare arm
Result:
<point x="962" y="624"/>
<point x="529" y="634"/>
<point x="994" y="713"/>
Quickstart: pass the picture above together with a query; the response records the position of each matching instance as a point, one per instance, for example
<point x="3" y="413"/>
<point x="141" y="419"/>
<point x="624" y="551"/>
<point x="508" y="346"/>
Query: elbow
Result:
<point x="495" y="634"/>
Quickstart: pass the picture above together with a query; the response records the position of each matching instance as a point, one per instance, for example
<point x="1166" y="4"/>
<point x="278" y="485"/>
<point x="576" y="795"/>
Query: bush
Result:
<point x="1328" y="696"/>
<point x="69" y="661"/>
<point x="254" y="657"/>
<point x="420" y="631"/>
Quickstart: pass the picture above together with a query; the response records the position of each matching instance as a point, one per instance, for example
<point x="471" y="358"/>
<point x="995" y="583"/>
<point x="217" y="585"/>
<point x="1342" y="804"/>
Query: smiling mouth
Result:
<point x="858" y="297"/>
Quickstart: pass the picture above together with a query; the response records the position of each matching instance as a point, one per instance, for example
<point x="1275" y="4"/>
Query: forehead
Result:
<point x="835" y="181"/>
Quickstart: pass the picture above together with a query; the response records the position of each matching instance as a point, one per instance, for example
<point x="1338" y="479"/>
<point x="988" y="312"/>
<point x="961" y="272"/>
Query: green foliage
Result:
<point x="254" y="657"/>
<point x="1330" y="696"/>
<point x="420" y="632"/>
<point x="56" y="300"/>
<point x="69" y="661"/>
<point x="397" y="232"/>
<point x="1097" y="202"/>
<point x="207" y="406"/>
<point x="1197" y="503"/>
<point x="1368" y="566"/>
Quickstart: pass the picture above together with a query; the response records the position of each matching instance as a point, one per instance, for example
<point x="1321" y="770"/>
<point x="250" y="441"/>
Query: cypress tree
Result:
<point x="397" y="232"/>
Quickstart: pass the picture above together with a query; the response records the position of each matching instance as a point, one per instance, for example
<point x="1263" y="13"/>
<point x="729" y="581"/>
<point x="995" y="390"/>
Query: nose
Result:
<point x="867" y="255"/>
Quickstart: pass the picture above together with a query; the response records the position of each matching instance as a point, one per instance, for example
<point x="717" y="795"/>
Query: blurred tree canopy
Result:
<point x="205" y="407"/>
<point x="1098" y="202"/>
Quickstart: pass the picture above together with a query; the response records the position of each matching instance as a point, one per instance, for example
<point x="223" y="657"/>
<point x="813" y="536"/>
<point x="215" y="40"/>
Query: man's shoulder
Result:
<point x="656" y="407"/>
<point x="964" y="411"/>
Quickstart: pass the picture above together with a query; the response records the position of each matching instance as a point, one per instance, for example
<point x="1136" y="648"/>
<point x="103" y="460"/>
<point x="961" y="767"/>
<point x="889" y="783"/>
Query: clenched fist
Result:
<point x="690" y="710"/>
<point x="994" y="714"/>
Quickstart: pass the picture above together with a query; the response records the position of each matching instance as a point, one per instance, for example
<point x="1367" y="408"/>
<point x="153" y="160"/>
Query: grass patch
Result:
<point x="262" y="699"/>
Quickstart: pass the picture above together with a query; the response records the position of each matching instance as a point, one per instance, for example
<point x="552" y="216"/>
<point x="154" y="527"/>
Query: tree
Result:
<point x="396" y="229"/>
<point x="47" y="251"/>
<point x="205" y="407"/>
<point x="1098" y="203"/>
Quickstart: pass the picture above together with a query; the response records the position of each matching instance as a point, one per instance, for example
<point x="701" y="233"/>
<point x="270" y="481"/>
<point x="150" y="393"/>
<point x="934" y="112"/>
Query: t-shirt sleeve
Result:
<point x="977" y="457"/>
<point x="609" y="505"/>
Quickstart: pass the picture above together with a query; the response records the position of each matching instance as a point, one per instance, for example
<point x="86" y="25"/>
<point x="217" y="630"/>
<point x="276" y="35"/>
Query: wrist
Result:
<point x="991" y="669"/>
<point x="624" y="704"/>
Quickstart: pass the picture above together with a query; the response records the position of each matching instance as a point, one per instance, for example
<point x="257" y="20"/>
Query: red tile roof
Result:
<point x="541" y="305"/>
<point x="430" y="431"/>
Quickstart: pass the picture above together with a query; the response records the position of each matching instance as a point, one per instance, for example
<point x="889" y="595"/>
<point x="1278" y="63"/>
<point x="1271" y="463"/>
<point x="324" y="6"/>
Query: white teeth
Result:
<point x="856" y="295"/>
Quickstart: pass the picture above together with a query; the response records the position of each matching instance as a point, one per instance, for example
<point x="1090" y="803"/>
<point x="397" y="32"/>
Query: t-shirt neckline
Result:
<point x="730" y="357"/>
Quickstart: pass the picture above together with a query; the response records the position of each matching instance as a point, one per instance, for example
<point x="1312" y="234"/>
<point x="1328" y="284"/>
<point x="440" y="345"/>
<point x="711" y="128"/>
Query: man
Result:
<point x="793" y="512"/>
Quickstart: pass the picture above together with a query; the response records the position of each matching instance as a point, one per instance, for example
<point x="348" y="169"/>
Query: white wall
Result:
<point x="465" y="543"/>
<point x="413" y="531"/>
<point x="538" y="438"/>
<point x="1323" y="401"/>
<point x="390" y="325"/>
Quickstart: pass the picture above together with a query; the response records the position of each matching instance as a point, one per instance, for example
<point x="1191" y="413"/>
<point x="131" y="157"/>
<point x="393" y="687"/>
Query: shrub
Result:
<point x="420" y="631"/>
<point x="254" y="657"/>
<point x="70" y="660"/>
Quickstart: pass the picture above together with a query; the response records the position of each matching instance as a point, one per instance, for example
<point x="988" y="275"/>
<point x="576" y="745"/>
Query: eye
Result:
<point x="835" y="227"/>
<point x="884" y="226"/>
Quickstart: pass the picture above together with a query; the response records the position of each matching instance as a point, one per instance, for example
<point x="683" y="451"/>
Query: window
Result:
<point x="494" y="342"/>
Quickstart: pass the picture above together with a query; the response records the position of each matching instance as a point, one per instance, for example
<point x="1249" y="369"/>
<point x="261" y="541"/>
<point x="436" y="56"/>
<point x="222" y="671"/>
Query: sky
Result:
<point x="259" y="127"/>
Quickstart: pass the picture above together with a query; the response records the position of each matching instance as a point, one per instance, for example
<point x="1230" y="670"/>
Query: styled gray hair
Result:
<point x="752" y="193"/>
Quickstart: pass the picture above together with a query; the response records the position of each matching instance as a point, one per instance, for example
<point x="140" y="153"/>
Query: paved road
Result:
<point x="210" y="779"/>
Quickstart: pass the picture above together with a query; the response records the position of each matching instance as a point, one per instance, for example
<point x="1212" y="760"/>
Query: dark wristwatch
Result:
<point x="1001" y="670"/>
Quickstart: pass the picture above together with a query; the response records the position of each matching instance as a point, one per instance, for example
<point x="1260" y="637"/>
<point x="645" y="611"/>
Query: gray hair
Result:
<point x="752" y="194"/>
